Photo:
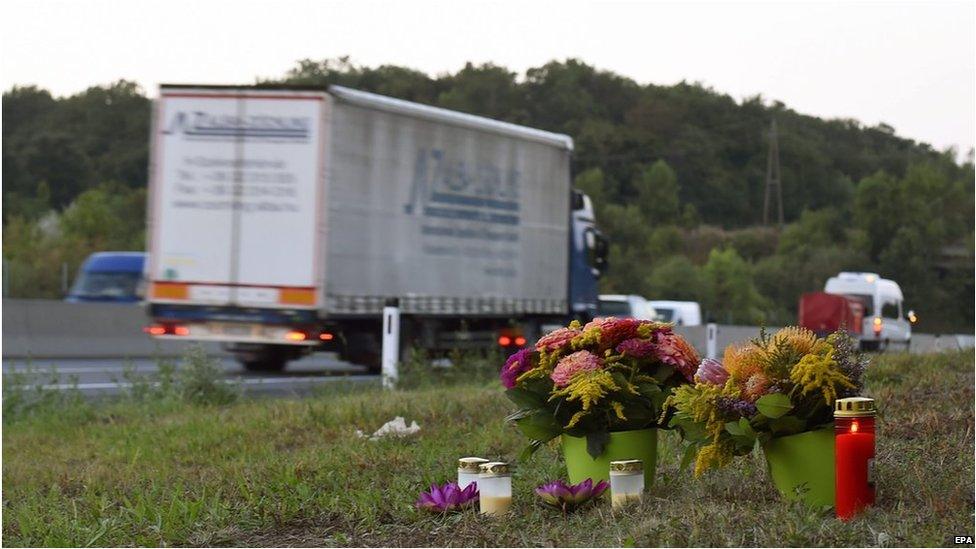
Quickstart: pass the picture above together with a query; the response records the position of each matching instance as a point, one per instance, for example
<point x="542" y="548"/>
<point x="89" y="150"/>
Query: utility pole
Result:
<point x="772" y="176"/>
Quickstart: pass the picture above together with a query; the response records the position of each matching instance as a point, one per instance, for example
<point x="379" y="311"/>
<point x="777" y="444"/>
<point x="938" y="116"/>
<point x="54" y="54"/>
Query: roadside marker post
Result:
<point x="711" y="340"/>
<point x="391" y="342"/>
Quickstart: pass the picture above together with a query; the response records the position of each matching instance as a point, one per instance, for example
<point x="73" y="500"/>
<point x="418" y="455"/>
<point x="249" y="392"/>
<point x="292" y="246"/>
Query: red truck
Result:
<point x="825" y="313"/>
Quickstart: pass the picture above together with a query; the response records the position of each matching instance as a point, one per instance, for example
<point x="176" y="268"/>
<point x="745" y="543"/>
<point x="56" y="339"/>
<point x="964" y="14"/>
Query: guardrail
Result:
<point x="54" y="329"/>
<point x="41" y="328"/>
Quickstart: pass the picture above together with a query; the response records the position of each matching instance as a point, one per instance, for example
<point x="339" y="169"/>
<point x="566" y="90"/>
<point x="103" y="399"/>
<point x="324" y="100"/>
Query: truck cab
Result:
<point x="885" y="324"/>
<point x="588" y="258"/>
<point x="109" y="277"/>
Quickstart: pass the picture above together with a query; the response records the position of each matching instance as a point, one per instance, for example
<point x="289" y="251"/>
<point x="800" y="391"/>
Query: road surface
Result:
<point x="107" y="377"/>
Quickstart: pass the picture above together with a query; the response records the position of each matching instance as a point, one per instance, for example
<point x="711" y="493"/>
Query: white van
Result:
<point x="625" y="306"/>
<point x="680" y="313"/>
<point x="885" y="322"/>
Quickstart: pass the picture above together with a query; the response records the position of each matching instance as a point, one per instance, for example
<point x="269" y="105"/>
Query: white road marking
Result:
<point x="258" y="381"/>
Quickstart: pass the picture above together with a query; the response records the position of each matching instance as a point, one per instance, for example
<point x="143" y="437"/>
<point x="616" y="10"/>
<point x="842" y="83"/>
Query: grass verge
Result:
<point x="294" y="473"/>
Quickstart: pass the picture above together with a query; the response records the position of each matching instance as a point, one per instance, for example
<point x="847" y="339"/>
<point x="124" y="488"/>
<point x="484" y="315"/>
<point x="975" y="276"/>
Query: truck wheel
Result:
<point x="363" y="348"/>
<point x="266" y="358"/>
<point x="271" y="364"/>
<point x="870" y="346"/>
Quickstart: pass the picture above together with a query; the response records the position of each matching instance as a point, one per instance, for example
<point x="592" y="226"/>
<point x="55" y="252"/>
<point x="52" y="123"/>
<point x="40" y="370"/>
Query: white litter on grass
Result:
<point x="396" y="427"/>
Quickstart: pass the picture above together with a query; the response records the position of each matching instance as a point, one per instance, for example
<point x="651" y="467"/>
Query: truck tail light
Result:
<point x="326" y="336"/>
<point x="155" y="329"/>
<point x="520" y="341"/>
<point x="504" y="340"/>
<point x="181" y="330"/>
<point x="295" y="335"/>
<point x="877" y="326"/>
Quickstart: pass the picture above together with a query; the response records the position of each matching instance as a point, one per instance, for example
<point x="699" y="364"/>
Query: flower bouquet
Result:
<point x="778" y="390"/>
<point x="610" y="376"/>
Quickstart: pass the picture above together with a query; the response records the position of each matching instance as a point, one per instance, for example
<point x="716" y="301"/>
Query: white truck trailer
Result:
<point x="282" y="219"/>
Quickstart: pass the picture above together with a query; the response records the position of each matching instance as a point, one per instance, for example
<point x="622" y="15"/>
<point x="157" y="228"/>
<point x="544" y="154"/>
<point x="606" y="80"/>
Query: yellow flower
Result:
<point x="800" y="339"/>
<point x="575" y="419"/>
<point x="716" y="454"/>
<point x="618" y="409"/>
<point x="587" y="387"/>
<point x="698" y="402"/>
<point x="819" y="372"/>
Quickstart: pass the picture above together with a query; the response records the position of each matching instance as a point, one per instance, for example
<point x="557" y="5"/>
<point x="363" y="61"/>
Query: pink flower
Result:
<point x="516" y="365"/>
<point x="711" y="371"/>
<point x="580" y="361"/>
<point x="636" y="348"/>
<point x="674" y="350"/>
<point x="556" y="339"/>
<point x="614" y="330"/>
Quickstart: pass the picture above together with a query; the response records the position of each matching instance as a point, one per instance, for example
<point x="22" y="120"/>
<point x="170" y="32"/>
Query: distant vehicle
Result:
<point x="283" y="219"/>
<point x="825" y="313"/>
<point x="681" y="313"/>
<point x="625" y="306"/>
<point x="885" y="325"/>
<point x="113" y="277"/>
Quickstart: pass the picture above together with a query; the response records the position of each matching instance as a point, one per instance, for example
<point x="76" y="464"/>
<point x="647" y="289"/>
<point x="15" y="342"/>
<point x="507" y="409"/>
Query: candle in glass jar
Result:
<point x="495" y="488"/>
<point x="853" y="455"/>
<point x="468" y="469"/>
<point x="626" y="482"/>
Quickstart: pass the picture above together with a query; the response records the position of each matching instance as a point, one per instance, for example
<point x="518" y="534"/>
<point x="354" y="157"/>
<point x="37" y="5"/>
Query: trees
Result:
<point x="675" y="174"/>
<point x="730" y="294"/>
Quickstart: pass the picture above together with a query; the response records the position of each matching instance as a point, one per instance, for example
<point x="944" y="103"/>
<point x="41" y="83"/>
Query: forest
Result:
<point x="676" y="173"/>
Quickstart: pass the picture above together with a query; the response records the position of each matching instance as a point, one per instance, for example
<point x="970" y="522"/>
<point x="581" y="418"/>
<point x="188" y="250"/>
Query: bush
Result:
<point x="200" y="380"/>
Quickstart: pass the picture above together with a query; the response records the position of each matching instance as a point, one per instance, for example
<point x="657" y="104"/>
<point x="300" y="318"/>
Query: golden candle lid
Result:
<point x="470" y="464"/>
<point x="854" y="407"/>
<point x="627" y="466"/>
<point x="494" y="469"/>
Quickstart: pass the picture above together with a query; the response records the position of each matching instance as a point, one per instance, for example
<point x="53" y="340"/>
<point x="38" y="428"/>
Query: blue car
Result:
<point x="114" y="277"/>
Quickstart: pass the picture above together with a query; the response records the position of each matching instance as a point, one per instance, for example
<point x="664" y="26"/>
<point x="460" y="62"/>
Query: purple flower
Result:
<point x="568" y="496"/>
<point x="711" y="371"/>
<point x="441" y="499"/>
<point x="735" y="406"/>
<point x="516" y="365"/>
<point x="636" y="348"/>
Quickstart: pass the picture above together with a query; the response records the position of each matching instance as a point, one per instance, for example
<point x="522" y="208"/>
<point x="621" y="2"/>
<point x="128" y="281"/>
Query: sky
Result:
<point x="911" y="65"/>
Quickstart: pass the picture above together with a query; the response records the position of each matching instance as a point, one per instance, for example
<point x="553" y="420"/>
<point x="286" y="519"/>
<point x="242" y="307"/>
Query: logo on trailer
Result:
<point x="454" y="189"/>
<point x="220" y="127"/>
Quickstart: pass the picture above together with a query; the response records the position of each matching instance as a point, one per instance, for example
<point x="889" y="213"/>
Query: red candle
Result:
<point x="853" y="455"/>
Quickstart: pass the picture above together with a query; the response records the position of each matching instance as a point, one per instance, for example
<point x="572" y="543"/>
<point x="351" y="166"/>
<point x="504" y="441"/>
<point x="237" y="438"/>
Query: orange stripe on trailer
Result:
<point x="297" y="296"/>
<point x="170" y="290"/>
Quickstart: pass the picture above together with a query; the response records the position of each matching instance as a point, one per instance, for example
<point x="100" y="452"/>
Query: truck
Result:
<point x="825" y="313"/>
<point x="878" y="307"/>
<point x="282" y="219"/>
<point x="109" y="277"/>
<point x="625" y="306"/>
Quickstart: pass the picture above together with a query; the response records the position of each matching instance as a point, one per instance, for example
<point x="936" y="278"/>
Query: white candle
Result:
<point x="468" y="469"/>
<point x="626" y="482"/>
<point x="495" y="488"/>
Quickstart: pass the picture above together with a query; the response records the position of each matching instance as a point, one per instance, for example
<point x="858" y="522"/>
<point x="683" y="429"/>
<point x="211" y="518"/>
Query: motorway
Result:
<point x="108" y="377"/>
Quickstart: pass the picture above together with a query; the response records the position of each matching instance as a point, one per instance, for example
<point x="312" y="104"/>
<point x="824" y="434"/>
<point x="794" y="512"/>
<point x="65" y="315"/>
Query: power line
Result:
<point x="773" y="176"/>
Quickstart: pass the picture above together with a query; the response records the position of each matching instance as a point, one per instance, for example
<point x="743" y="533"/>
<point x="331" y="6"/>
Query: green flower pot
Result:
<point x="640" y="444"/>
<point x="802" y="466"/>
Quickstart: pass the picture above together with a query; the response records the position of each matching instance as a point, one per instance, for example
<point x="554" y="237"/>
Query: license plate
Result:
<point x="234" y="329"/>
